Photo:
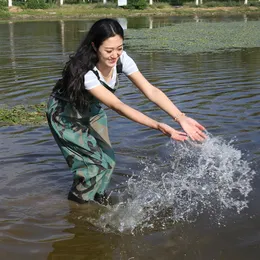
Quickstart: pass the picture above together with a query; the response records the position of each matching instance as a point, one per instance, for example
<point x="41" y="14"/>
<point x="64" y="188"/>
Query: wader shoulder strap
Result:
<point x="119" y="66"/>
<point x="119" y="69"/>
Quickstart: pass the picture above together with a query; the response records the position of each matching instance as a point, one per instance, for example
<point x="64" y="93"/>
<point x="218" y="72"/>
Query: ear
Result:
<point x="94" y="47"/>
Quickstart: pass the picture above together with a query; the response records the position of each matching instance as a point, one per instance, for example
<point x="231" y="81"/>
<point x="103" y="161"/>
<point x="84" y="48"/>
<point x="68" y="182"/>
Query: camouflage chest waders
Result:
<point x="83" y="140"/>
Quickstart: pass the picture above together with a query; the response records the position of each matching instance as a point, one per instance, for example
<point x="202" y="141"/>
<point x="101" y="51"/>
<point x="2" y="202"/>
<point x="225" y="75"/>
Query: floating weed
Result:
<point x="23" y="115"/>
<point x="190" y="37"/>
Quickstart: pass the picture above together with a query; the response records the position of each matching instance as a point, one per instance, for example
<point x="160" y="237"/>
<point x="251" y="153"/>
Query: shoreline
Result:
<point x="72" y="12"/>
<point x="172" y="43"/>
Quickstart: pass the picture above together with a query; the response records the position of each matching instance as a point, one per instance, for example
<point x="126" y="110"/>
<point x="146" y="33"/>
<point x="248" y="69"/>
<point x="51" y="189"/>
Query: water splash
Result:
<point x="195" y="178"/>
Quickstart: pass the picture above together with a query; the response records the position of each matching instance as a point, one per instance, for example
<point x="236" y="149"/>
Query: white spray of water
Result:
<point x="195" y="178"/>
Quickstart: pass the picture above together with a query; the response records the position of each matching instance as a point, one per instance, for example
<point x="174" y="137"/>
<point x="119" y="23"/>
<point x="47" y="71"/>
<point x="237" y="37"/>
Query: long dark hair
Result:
<point x="71" y="85"/>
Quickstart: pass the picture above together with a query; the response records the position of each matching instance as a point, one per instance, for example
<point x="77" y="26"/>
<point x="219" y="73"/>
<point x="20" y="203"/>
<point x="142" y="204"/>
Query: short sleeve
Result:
<point x="90" y="80"/>
<point x="128" y="64"/>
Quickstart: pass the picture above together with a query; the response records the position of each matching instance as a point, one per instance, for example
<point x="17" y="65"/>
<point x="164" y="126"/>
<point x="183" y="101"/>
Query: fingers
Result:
<point x="198" y="136"/>
<point x="203" y="135"/>
<point x="193" y="129"/>
<point x="196" y="133"/>
<point x="201" y="127"/>
<point x="179" y="136"/>
<point x="196" y="124"/>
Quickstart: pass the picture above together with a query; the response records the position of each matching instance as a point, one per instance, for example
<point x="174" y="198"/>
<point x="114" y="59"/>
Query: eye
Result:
<point x="109" y="51"/>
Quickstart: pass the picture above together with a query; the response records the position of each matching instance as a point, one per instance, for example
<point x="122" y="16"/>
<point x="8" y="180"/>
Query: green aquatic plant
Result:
<point x="191" y="37"/>
<point x="23" y="115"/>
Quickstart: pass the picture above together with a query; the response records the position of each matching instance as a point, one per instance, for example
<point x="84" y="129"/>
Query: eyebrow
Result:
<point x="114" y="48"/>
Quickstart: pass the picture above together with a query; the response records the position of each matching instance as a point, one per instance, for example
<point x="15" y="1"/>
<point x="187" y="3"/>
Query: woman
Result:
<point x="77" y="120"/>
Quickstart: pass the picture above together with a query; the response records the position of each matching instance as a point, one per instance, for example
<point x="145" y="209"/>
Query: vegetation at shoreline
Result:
<point x="23" y="115"/>
<point x="90" y="10"/>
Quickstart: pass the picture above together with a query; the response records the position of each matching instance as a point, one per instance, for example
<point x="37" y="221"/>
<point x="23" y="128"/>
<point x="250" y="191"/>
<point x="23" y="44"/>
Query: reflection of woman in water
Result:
<point x="79" y="123"/>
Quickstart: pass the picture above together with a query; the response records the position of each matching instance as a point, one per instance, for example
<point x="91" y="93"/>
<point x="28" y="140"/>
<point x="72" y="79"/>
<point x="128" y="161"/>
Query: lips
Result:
<point x="113" y="61"/>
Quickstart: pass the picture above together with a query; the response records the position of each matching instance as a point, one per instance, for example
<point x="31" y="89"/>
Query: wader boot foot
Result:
<point x="102" y="199"/>
<point x="73" y="197"/>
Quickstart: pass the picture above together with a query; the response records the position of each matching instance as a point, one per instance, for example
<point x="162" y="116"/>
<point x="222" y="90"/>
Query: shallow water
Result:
<point x="171" y="201"/>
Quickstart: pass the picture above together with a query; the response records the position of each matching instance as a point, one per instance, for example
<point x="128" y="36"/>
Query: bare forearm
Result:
<point x="162" y="101"/>
<point x="155" y="95"/>
<point x="135" y="115"/>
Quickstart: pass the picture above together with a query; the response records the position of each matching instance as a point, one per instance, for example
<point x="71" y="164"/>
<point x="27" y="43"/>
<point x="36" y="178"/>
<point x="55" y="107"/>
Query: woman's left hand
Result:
<point x="192" y="128"/>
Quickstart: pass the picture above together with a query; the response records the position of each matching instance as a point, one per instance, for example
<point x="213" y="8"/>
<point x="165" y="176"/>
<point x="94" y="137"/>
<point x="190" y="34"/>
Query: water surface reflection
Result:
<point x="221" y="90"/>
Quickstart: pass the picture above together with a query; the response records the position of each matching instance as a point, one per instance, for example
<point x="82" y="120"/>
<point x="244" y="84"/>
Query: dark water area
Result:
<point x="171" y="200"/>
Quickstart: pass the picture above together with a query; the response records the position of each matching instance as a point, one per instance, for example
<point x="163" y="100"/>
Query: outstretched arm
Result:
<point x="193" y="129"/>
<point x="110" y="100"/>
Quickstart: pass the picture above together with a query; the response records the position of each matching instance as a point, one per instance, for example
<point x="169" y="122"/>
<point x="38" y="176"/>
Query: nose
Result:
<point x="115" y="54"/>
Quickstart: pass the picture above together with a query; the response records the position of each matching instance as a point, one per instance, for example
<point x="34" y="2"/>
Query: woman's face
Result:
<point x="110" y="51"/>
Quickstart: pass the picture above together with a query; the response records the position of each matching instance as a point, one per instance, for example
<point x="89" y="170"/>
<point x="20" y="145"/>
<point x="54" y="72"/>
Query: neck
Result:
<point x="105" y="71"/>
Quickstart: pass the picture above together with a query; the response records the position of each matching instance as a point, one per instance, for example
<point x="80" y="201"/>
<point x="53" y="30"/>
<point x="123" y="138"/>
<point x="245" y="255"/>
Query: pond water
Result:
<point x="170" y="200"/>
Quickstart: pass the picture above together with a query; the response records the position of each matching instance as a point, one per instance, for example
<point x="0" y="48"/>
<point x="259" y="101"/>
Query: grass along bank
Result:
<point x="85" y="11"/>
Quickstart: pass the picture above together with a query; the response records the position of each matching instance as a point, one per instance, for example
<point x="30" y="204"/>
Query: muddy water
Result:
<point x="171" y="201"/>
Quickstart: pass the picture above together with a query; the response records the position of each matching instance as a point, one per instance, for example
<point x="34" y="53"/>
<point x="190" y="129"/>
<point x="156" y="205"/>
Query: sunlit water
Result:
<point x="170" y="200"/>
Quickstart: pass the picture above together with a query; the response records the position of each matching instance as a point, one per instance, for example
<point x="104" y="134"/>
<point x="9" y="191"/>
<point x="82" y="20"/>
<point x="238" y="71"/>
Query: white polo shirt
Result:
<point x="128" y="67"/>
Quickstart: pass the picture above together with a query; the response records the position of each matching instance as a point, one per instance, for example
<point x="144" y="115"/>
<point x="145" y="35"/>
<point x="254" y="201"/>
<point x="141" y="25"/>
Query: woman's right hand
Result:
<point x="174" y="134"/>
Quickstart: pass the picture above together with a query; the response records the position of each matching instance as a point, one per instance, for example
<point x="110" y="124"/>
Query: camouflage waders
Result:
<point x="83" y="140"/>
